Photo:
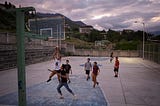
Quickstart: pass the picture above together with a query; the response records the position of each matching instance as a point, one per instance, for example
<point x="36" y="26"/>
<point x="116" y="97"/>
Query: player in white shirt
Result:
<point x="56" y="69"/>
<point x="57" y="64"/>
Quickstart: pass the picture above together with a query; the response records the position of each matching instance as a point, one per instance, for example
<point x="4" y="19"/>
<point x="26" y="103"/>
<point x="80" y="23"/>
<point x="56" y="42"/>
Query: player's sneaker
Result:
<point x="75" y="97"/>
<point x="50" y="70"/>
<point x="48" y="80"/>
<point x="61" y="97"/>
<point x="97" y="83"/>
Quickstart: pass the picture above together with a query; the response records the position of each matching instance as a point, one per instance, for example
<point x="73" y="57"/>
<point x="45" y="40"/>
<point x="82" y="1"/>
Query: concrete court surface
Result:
<point x="137" y="85"/>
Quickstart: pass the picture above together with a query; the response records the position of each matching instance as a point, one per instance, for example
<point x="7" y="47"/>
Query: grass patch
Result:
<point x="127" y="45"/>
<point x="79" y="44"/>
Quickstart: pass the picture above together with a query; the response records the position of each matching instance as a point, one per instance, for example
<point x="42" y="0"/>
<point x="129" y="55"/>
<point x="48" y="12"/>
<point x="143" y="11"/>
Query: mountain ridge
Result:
<point x="67" y="20"/>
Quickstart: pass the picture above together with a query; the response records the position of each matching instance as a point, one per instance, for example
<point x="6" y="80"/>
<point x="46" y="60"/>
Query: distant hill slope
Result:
<point x="80" y="23"/>
<point x="8" y="20"/>
<point x="72" y="24"/>
<point x="155" y="33"/>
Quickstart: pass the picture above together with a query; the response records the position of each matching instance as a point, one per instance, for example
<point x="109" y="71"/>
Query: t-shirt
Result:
<point x="57" y="64"/>
<point x="116" y="64"/>
<point x="63" y="80"/>
<point x="88" y="65"/>
<point x="67" y="67"/>
<point x="95" y="70"/>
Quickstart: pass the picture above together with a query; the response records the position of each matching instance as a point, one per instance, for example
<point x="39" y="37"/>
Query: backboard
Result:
<point x="52" y="26"/>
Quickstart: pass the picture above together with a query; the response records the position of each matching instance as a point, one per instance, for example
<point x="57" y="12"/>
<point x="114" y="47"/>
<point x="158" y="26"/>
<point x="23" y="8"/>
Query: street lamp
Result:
<point x="143" y="37"/>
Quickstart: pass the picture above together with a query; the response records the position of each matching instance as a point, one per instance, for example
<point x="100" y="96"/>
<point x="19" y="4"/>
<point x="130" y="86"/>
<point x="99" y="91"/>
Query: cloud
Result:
<point x="102" y="14"/>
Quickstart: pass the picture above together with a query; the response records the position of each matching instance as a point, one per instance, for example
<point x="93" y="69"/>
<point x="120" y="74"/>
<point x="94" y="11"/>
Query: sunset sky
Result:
<point x="102" y="14"/>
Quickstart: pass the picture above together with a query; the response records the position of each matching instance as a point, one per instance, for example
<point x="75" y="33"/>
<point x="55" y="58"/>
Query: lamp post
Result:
<point x="57" y="35"/>
<point x="143" y="37"/>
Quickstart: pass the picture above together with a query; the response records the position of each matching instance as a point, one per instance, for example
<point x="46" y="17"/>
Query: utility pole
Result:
<point x="143" y="38"/>
<point x="20" y="37"/>
<point x="21" y="57"/>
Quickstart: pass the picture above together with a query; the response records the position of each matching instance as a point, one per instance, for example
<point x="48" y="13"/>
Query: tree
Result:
<point x="95" y="35"/>
<point x="113" y="36"/>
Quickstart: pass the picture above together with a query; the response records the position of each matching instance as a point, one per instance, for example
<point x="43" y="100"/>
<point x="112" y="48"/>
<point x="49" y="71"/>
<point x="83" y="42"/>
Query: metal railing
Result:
<point x="151" y="52"/>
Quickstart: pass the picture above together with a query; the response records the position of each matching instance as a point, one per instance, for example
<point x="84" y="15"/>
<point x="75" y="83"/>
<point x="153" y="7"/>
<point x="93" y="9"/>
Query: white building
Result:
<point x="85" y="29"/>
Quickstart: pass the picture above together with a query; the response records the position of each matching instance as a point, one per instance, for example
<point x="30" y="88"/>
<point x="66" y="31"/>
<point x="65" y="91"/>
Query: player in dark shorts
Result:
<point x="88" y="68"/>
<point x="63" y="82"/>
<point x="68" y="70"/>
<point x="116" y="67"/>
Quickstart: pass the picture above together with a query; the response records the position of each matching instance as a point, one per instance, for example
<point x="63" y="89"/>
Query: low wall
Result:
<point x="93" y="52"/>
<point x="8" y="58"/>
<point x="39" y="50"/>
<point x="35" y="50"/>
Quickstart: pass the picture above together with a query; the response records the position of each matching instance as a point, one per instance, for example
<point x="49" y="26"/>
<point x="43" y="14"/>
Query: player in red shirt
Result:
<point x="116" y="67"/>
<point x="95" y="72"/>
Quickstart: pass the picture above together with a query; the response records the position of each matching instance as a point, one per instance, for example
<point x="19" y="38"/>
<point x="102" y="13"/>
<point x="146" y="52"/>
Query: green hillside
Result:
<point x="7" y="21"/>
<point x="79" y="44"/>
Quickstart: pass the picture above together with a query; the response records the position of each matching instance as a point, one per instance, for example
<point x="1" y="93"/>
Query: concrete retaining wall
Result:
<point x="8" y="57"/>
<point x="93" y="52"/>
<point x="35" y="50"/>
<point x="39" y="50"/>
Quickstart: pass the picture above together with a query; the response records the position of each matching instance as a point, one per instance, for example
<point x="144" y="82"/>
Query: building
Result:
<point x="85" y="29"/>
<point x="128" y="30"/>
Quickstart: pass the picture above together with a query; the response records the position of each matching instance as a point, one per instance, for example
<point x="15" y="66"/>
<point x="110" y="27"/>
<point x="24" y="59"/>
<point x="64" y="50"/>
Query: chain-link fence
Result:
<point x="151" y="52"/>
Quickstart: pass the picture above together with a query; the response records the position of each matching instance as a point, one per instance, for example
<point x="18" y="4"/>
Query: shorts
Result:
<point x="116" y="69"/>
<point x="67" y="75"/>
<point x="58" y="71"/>
<point x="67" y="71"/>
<point x="87" y="72"/>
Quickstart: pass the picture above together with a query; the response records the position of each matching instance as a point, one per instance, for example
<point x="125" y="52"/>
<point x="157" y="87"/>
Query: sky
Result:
<point x="103" y="14"/>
